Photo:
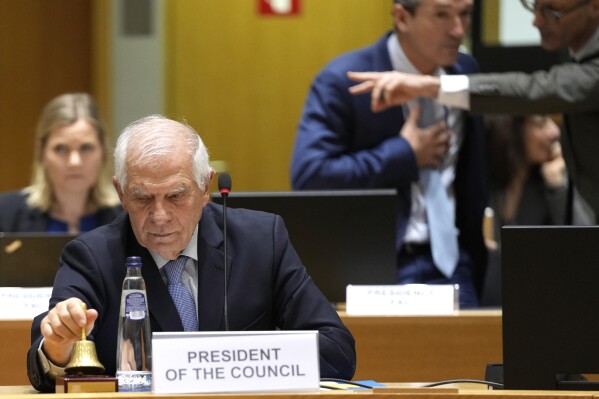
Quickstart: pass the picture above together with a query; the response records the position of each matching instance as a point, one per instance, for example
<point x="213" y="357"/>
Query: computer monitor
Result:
<point x="342" y="237"/>
<point x="550" y="306"/>
<point x="30" y="259"/>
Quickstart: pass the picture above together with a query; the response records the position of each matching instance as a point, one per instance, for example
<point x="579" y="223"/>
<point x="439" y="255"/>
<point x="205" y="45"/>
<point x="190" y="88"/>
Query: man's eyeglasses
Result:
<point x="548" y="12"/>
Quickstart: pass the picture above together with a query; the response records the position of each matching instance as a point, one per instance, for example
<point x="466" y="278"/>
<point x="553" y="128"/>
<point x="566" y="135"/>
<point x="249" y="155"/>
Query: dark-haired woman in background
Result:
<point x="526" y="169"/>
<point x="528" y="183"/>
<point x="71" y="189"/>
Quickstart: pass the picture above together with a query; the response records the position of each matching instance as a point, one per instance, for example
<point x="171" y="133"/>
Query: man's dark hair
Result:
<point x="409" y="5"/>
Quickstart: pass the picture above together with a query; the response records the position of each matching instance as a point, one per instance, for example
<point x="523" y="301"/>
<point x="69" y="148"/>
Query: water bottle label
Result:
<point x="134" y="381"/>
<point x="135" y="305"/>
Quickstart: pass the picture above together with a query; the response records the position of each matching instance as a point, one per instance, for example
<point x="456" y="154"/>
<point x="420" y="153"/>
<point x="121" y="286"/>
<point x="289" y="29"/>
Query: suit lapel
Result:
<point x="381" y="61"/>
<point x="163" y="313"/>
<point x="210" y="273"/>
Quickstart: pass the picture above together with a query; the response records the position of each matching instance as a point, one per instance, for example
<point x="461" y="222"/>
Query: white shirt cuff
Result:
<point x="48" y="367"/>
<point x="455" y="91"/>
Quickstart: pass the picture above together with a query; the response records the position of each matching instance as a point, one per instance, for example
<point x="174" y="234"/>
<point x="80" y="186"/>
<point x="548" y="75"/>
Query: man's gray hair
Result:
<point x="146" y="140"/>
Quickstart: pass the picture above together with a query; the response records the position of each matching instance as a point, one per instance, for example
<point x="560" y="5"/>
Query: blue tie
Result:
<point x="441" y="219"/>
<point x="180" y="294"/>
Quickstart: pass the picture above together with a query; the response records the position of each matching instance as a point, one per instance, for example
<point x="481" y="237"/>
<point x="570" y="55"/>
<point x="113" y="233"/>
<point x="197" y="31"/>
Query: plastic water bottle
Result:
<point x="134" y="349"/>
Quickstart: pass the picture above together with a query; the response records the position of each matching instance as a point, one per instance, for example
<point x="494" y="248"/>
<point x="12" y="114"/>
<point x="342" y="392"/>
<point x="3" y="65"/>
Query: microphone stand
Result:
<point x="226" y="310"/>
<point x="224" y="186"/>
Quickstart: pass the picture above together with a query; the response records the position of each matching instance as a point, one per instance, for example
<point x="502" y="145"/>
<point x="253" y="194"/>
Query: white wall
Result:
<point x="515" y="25"/>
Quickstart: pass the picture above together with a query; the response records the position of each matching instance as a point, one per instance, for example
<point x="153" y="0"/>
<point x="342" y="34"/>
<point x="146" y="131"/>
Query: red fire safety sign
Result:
<point x="279" y="7"/>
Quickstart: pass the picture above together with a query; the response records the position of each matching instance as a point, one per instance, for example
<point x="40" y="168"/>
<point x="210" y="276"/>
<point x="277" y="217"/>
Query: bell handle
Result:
<point x="84" y="307"/>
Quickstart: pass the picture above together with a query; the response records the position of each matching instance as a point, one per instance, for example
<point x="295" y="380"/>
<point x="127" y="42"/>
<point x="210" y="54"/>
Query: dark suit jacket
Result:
<point x="268" y="287"/>
<point x="342" y="144"/>
<point x="16" y="216"/>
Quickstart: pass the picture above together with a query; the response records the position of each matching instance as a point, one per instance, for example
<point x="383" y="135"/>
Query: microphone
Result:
<point x="224" y="187"/>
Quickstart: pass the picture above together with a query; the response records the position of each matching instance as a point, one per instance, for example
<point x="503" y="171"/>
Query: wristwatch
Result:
<point x="47" y="366"/>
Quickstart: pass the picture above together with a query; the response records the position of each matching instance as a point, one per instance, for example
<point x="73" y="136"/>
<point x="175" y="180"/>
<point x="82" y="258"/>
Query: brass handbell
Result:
<point x="84" y="359"/>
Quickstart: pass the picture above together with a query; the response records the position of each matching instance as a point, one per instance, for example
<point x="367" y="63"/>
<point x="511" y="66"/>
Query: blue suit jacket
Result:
<point x="268" y="287"/>
<point x="342" y="144"/>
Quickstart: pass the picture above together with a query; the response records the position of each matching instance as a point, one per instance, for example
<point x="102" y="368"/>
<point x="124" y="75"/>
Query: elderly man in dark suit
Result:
<point x="162" y="178"/>
<point x="342" y="144"/>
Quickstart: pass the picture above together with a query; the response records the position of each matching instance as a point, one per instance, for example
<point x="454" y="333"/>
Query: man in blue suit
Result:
<point x="342" y="144"/>
<point x="162" y="178"/>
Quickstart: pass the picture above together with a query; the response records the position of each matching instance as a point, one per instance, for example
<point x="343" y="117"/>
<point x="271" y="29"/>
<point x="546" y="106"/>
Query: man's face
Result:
<point x="164" y="203"/>
<point x="431" y="34"/>
<point x="572" y="29"/>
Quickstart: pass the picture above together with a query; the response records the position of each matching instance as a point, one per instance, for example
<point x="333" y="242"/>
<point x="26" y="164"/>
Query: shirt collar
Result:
<point x="589" y="48"/>
<point x="400" y="61"/>
<point x="191" y="250"/>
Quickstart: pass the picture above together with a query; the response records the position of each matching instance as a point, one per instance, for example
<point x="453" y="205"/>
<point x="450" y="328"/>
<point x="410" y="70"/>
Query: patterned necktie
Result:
<point x="440" y="214"/>
<point x="180" y="294"/>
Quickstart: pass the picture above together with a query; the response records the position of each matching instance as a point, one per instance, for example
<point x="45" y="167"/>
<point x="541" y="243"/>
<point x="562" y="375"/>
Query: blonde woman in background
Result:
<point x="71" y="188"/>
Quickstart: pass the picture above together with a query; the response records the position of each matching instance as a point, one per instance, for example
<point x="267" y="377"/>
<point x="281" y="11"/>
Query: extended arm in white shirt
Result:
<point x="454" y="91"/>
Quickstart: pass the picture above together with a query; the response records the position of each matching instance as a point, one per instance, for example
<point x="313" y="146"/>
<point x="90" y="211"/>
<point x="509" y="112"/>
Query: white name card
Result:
<point x="18" y="303"/>
<point x="409" y="299"/>
<point x="234" y="361"/>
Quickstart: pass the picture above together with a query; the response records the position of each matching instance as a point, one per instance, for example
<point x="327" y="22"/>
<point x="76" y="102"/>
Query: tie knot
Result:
<point x="174" y="269"/>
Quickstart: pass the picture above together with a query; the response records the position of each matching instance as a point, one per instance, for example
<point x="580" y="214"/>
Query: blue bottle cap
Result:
<point x="133" y="261"/>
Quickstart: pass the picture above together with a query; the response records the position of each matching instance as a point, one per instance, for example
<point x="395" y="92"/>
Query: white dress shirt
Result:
<point x="417" y="229"/>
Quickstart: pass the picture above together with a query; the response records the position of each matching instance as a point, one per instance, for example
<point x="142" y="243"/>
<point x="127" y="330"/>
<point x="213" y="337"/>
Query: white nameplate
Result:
<point x="23" y="303"/>
<point x="234" y="361"/>
<point x="409" y="299"/>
